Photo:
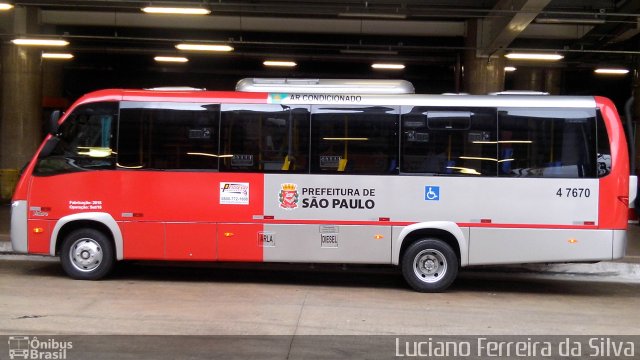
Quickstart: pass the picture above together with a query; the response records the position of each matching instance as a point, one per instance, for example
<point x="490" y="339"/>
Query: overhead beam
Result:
<point x="256" y="23"/>
<point x="505" y="22"/>
<point x="623" y="29"/>
<point x="627" y="34"/>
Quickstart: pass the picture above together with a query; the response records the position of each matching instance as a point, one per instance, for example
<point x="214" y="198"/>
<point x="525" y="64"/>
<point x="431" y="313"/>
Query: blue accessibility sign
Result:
<point x="432" y="193"/>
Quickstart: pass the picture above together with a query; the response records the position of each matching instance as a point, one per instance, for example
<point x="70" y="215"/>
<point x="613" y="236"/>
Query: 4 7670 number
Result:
<point x="573" y="192"/>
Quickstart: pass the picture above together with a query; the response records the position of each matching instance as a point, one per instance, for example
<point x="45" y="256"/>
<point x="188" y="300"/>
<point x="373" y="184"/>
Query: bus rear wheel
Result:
<point x="429" y="265"/>
<point x="87" y="254"/>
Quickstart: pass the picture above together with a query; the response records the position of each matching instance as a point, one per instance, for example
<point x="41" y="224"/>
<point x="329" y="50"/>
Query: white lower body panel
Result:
<point x="512" y="246"/>
<point x="327" y="244"/>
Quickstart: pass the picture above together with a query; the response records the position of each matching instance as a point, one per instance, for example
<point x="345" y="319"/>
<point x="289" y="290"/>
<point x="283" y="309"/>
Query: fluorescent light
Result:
<point x="5" y="6"/>
<point x="610" y="71"/>
<point x="129" y="167"/>
<point x="209" y="155"/>
<point x="96" y="152"/>
<point x="534" y="56"/>
<point x="464" y="170"/>
<point x="388" y="66"/>
<point x="573" y="21"/>
<point x="279" y="63"/>
<point x="504" y="142"/>
<point x="204" y="47"/>
<point x="484" y="159"/>
<point x="346" y="139"/>
<point x="175" y="10"/>
<point x="57" y="56"/>
<point x="509" y="68"/>
<point x="477" y="158"/>
<point x="40" y="42"/>
<point x="176" y="59"/>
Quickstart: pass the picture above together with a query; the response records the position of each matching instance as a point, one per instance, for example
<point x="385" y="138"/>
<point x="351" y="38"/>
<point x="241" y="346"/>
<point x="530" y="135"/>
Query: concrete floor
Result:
<point x="37" y="298"/>
<point x="271" y="314"/>
<point x="264" y="312"/>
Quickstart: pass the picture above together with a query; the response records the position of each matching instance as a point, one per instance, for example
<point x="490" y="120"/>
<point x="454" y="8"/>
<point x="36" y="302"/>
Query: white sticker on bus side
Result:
<point x="234" y="193"/>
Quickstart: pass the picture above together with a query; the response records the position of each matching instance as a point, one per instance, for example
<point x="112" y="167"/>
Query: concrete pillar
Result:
<point x="52" y="75"/>
<point x="20" y="118"/>
<point x="537" y="79"/>
<point x="21" y="106"/>
<point x="528" y="79"/>
<point x="482" y="75"/>
<point x="553" y="81"/>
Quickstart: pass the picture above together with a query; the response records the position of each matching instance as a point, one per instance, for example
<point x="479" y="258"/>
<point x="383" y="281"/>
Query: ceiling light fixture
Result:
<point x="279" y="63"/>
<point x="57" y="56"/>
<point x="175" y="59"/>
<point x="204" y="47"/>
<point x="388" y="66"/>
<point x="176" y="10"/>
<point x="509" y="68"/>
<point x="40" y="42"/>
<point x="569" y="21"/>
<point x="5" y="6"/>
<point x="534" y="56"/>
<point x="611" y="71"/>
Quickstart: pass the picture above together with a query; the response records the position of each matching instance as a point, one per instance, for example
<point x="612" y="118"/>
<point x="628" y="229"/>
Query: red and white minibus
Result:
<point x="327" y="171"/>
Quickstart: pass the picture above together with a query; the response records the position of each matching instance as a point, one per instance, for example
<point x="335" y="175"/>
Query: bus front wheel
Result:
<point x="87" y="254"/>
<point x="429" y="265"/>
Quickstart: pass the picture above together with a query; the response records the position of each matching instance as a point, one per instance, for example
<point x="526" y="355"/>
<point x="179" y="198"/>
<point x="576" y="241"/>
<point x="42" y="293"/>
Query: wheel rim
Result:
<point x="430" y="265"/>
<point x="85" y="254"/>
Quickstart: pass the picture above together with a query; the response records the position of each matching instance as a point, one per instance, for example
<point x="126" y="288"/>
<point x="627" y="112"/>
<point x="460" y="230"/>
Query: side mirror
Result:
<point x="53" y="122"/>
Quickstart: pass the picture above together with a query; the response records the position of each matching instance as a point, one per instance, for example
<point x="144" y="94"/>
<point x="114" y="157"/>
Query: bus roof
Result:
<point x="355" y="99"/>
<point x="326" y="86"/>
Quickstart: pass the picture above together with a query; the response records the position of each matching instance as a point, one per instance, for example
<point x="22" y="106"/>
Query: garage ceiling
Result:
<point x="414" y="32"/>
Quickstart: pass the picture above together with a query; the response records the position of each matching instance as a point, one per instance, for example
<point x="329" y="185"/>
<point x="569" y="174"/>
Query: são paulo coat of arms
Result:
<point x="288" y="196"/>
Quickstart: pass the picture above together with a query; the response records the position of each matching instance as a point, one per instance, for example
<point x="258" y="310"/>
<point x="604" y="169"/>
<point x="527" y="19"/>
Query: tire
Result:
<point x="429" y="265"/>
<point x="87" y="254"/>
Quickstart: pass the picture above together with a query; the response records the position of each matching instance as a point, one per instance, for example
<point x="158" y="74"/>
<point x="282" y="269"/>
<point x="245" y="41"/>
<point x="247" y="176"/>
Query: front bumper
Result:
<point x="18" y="234"/>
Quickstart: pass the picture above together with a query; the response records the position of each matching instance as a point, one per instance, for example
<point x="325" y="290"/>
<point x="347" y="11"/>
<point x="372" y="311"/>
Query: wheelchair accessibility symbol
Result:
<point x="432" y="193"/>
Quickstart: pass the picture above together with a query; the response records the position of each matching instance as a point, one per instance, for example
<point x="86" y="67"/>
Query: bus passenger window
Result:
<point x="449" y="141"/>
<point x="168" y="136"/>
<point x="85" y="141"/>
<point x="354" y="139"/>
<point x="547" y="142"/>
<point x="264" y="138"/>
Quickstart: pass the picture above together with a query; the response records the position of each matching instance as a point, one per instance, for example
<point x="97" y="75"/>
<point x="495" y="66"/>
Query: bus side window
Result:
<point x="354" y="139"/>
<point x="85" y="141"/>
<point x="547" y="142"/>
<point x="449" y="141"/>
<point x="168" y="136"/>
<point x="264" y="138"/>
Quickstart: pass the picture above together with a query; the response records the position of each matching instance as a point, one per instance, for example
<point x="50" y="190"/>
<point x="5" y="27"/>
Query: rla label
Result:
<point x="266" y="239"/>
